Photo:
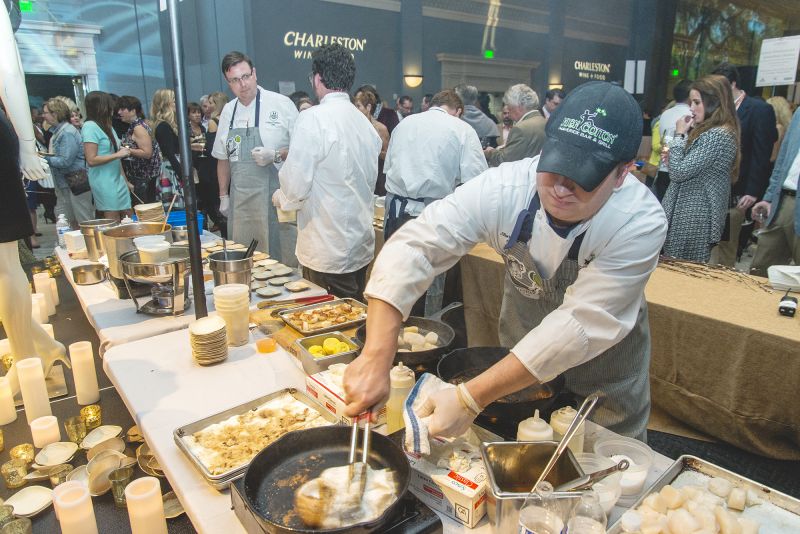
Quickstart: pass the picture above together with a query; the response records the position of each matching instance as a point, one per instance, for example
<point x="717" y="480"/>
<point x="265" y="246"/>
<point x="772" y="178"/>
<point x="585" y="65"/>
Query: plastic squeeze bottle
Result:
<point x="401" y="380"/>
<point x="540" y="514"/>
<point x="560" y="421"/>
<point x="534" y="429"/>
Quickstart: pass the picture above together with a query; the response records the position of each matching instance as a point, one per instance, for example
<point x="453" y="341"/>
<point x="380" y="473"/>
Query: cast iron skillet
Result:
<point x="283" y="466"/>
<point x="461" y="365"/>
<point x="423" y="361"/>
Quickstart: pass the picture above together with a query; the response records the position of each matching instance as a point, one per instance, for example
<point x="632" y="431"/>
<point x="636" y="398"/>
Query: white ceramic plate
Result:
<point x="99" y="435"/>
<point x="30" y="501"/>
<point x="268" y="292"/>
<point x="56" y="453"/>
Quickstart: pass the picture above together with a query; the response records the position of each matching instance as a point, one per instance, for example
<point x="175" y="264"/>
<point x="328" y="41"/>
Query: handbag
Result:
<point x="78" y="181"/>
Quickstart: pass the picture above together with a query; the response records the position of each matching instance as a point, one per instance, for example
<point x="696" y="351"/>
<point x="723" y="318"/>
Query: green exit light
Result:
<point x="488" y="54"/>
<point x="676" y="73"/>
<point x="26" y="6"/>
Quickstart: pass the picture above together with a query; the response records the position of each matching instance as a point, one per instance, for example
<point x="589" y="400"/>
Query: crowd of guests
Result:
<point x="717" y="164"/>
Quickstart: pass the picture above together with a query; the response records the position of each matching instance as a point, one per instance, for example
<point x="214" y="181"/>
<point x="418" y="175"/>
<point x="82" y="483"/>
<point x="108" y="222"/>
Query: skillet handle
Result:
<point x="438" y="315"/>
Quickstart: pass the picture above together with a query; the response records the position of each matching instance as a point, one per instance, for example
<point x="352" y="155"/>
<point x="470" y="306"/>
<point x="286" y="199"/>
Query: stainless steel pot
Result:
<point x="86" y="275"/>
<point x="92" y="235"/>
<point x="233" y="268"/>
<point x="180" y="233"/>
<point x="119" y="240"/>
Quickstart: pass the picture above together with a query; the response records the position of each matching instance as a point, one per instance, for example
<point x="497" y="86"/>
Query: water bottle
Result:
<point x="540" y="514"/>
<point x="62" y="227"/>
<point x="588" y="516"/>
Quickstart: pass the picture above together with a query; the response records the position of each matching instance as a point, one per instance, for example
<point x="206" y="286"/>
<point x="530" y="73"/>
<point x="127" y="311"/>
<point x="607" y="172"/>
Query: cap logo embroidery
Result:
<point x="586" y="128"/>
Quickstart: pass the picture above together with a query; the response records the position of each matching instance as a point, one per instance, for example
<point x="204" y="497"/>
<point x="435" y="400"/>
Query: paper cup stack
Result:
<point x="232" y="302"/>
<point x="208" y="339"/>
<point x="153" y="212"/>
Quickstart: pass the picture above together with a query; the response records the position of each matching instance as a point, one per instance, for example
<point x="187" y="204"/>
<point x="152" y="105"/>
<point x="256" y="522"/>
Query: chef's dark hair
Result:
<point x="233" y="58"/>
<point x="335" y="66"/>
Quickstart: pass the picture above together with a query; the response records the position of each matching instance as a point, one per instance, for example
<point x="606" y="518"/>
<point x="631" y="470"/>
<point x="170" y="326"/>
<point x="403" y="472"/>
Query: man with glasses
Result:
<point x="252" y="142"/>
<point x="329" y="178"/>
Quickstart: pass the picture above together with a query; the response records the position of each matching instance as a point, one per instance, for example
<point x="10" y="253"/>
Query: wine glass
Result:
<point x="126" y="143"/>
<point x="759" y="216"/>
<point x="199" y="139"/>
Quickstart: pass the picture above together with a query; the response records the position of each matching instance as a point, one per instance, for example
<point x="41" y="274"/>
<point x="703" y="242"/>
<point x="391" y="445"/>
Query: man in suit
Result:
<point x="779" y="243"/>
<point x="527" y="136"/>
<point x="758" y="135"/>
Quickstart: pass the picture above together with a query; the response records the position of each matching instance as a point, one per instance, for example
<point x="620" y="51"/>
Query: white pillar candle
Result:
<point x="50" y="306"/>
<point x="73" y="507"/>
<point x="49" y="329"/>
<point x="45" y="431"/>
<point x="8" y="412"/>
<point x="38" y="308"/>
<point x="41" y="282"/>
<point x="145" y="506"/>
<point x="54" y="291"/>
<point x="64" y="486"/>
<point x="33" y="388"/>
<point x="83" y="371"/>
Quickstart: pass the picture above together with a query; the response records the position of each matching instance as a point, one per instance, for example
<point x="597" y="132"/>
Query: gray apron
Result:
<point x="252" y="215"/>
<point x="621" y="373"/>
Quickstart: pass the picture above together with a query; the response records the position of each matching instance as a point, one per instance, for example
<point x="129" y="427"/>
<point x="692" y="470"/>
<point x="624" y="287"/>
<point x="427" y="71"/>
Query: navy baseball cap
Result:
<point x="597" y="126"/>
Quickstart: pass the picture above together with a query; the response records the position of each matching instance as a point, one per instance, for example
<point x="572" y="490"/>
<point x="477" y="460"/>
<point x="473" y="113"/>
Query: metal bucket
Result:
<point x="119" y="240"/>
<point x="234" y="268"/>
<point x="180" y="233"/>
<point x="512" y="468"/>
<point x="92" y="234"/>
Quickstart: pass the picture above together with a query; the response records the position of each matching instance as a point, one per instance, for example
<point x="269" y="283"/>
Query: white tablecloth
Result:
<point x="116" y="320"/>
<point x="164" y="389"/>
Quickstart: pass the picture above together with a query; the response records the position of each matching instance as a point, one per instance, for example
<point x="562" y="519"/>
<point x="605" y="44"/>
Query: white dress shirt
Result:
<point x="329" y="177"/>
<point x="794" y="173"/>
<point x="429" y="154"/>
<point x="620" y="249"/>
<point x="277" y="117"/>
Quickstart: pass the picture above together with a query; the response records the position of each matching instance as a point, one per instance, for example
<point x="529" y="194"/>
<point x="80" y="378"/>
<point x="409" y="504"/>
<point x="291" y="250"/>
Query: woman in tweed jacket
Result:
<point x="703" y="158"/>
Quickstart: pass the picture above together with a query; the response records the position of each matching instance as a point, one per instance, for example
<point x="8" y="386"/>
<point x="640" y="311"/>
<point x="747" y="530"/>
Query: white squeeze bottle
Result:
<point x="62" y="227"/>
<point x="401" y="380"/>
<point x="534" y="429"/>
<point x="560" y="421"/>
<point x="540" y="514"/>
<point x="126" y="220"/>
<point x="588" y="517"/>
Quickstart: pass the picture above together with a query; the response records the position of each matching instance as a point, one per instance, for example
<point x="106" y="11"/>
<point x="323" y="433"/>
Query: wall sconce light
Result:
<point x="413" y="80"/>
<point x="556" y="86"/>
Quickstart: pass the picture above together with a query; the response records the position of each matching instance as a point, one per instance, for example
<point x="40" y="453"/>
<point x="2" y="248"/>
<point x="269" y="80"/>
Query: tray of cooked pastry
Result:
<point x="694" y="495"/>
<point x="326" y="316"/>
<point x="221" y="446"/>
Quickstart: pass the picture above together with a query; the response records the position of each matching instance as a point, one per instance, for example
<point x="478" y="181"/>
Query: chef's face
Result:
<point x="568" y="203"/>
<point x="697" y="107"/>
<point x="242" y="80"/>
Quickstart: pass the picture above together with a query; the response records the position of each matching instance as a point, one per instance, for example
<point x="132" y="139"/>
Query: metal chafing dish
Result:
<point x="170" y="280"/>
<point x="222" y="480"/>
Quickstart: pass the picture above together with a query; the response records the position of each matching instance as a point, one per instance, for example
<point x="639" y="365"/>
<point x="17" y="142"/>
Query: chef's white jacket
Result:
<point x="277" y="117"/>
<point x="429" y="154"/>
<point x="619" y="251"/>
<point x="329" y="177"/>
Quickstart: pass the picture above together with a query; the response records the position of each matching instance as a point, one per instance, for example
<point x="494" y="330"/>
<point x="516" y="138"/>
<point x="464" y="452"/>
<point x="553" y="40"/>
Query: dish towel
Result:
<point x="417" y="439"/>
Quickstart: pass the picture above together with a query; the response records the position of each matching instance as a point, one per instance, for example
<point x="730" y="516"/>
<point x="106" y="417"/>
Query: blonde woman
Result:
<point x="783" y="116"/>
<point x="165" y="125"/>
<point x="207" y="167"/>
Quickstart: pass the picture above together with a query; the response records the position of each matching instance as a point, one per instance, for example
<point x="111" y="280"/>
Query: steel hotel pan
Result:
<point x="283" y="466"/>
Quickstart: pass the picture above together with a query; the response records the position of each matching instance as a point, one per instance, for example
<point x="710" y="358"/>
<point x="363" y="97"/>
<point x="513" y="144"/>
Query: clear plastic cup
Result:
<point x="639" y="455"/>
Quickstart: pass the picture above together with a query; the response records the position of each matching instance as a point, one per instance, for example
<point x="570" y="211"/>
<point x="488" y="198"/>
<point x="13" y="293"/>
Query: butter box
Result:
<point x="326" y="388"/>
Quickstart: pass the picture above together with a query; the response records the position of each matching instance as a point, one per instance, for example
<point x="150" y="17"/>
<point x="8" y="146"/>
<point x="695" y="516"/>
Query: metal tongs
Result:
<point x="359" y="469"/>
<point x="587" y="481"/>
<point x="580" y="417"/>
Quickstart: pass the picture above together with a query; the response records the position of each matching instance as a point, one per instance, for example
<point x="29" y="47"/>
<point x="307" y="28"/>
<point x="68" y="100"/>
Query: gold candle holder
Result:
<point x="50" y="260"/>
<point x="76" y="429"/>
<point x="92" y="416"/>
<point x="23" y="452"/>
<point x="36" y="269"/>
<point x="7" y="361"/>
<point x="2" y="441"/>
<point x="55" y="270"/>
<point x="58" y="474"/>
<point x="14" y="472"/>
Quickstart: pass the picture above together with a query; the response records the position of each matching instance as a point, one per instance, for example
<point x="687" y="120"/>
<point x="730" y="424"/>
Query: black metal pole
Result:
<point x="190" y="198"/>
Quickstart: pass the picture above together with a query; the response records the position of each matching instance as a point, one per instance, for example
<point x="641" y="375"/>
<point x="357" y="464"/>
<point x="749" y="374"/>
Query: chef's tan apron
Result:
<point x="621" y="373"/>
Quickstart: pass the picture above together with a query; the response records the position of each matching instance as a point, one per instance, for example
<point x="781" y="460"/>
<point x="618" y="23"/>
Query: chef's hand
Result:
<point x="449" y="418"/>
<point x="224" y="205"/>
<point x="366" y="384"/>
<point x="684" y="124"/>
<point x="745" y="202"/>
<point x="263" y="156"/>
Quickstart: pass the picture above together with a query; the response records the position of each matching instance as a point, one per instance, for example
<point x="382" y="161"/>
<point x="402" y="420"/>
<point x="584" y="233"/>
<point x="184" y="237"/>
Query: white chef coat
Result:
<point x="429" y="154"/>
<point x="620" y="249"/>
<point x="329" y="177"/>
<point x="277" y="117"/>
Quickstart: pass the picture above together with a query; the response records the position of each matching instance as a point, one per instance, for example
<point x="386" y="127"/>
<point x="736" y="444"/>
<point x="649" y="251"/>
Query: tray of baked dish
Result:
<point x="222" y="445"/>
<point x="339" y="314"/>
<point x="716" y="500"/>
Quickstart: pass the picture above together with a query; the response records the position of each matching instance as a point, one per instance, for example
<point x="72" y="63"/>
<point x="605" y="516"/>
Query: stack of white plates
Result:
<point x="208" y="339"/>
<point x="153" y="212"/>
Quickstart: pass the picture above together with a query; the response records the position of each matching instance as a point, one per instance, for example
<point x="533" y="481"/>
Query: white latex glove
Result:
<point x="224" y="205"/>
<point x="447" y="416"/>
<point x="263" y="156"/>
<point x="33" y="167"/>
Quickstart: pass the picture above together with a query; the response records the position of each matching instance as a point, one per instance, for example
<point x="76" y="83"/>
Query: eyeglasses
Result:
<point x="244" y="78"/>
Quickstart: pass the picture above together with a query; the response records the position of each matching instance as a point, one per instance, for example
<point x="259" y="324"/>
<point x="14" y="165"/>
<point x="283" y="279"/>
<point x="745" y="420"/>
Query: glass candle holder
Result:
<point x="58" y="474"/>
<point x="92" y="416"/>
<point x="8" y="361"/>
<point x="14" y="472"/>
<point x="75" y="428"/>
<point x="24" y="452"/>
<point x="6" y="514"/>
<point x="20" y="525"/>
<point x="50" y="260"/>
<point x="120" y="478"/>
<point x="55" y="270"/>
<point x="2" y="441"/>
<point x="36" y="269"/>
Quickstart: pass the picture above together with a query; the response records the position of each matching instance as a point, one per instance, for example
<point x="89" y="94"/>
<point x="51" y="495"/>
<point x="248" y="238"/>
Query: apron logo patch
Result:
<point x="237" y="139"/>
<point x="273" y="116"/>
<point x="526" y="280"/>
